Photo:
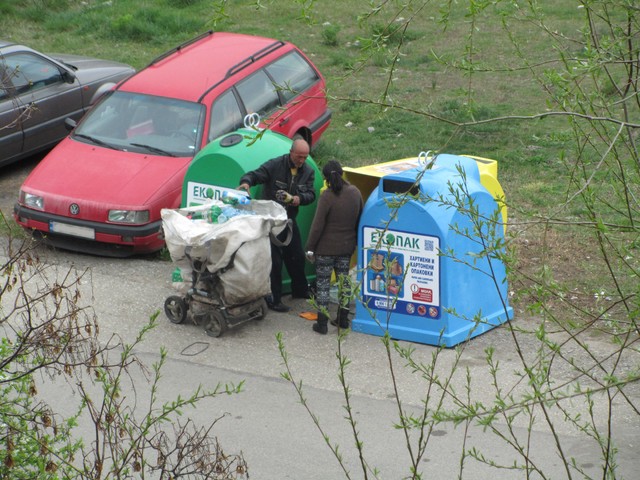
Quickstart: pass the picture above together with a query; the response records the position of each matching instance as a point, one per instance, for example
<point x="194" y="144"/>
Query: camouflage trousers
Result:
<point x="325" y="267"/>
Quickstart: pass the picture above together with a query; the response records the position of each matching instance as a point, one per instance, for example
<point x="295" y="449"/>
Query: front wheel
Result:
<point x="175" y="308"/>
<point x="215" y="324"/>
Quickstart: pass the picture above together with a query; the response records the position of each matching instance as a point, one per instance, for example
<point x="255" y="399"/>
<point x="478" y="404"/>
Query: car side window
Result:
<point x="29" y="72"/>
<point x="258" y="94"/>
<point x="5" y="82"/>
<point x="4" y="91"/>
<point x="225" y="116"/>
<point x="292" y="75"/>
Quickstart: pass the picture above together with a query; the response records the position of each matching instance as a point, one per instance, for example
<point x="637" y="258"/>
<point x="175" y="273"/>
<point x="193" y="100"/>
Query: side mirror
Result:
<point x="68" y="76"/>
<point x="70" y="123"/>
<point x="102" y="89"/>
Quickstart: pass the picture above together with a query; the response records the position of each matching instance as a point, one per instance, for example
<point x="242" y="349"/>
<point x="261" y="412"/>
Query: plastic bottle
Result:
<point x="230" y="212"/>
<point x="176" y="276"/>
<point x="197" y="215"/>
<point x="233" y="198"/>
<point x="213" y="214"/>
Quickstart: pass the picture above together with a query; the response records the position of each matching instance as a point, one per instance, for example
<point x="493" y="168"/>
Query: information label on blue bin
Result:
<point x="403" y="272"/>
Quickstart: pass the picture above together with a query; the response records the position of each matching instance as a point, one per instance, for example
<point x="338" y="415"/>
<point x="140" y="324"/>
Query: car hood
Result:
<point x="88" y="69"/>
<point x="75" y="172"/>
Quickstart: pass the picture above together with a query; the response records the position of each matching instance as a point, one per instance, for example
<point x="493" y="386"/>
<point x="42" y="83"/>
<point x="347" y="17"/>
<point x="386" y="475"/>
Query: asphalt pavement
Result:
<point x="273" y="430"/>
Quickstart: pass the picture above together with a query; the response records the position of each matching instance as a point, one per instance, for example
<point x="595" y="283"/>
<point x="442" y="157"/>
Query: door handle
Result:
<point x="28" y="107"/>
<point x="26" y="110"/>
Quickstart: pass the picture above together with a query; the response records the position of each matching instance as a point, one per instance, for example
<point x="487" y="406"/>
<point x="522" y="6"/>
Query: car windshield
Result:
<point x="145" y="124"/>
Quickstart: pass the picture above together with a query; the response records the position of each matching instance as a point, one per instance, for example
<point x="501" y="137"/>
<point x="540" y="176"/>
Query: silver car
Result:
<point x="39" y="92"/>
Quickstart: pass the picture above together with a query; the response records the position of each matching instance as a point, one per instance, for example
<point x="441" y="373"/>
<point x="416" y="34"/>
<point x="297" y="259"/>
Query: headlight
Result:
<point x="32" y="201"/>
<point x="129" y="216"/>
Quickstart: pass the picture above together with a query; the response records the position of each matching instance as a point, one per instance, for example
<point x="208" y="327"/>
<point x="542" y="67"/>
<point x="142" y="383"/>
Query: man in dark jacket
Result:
<point x="287" y="180"/>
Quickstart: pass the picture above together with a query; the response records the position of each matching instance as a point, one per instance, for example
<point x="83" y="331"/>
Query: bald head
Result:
<point x="299" y="151"/>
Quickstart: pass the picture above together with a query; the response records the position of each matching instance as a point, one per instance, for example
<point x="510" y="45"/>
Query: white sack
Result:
<point x="250" y="275"/>
<point x="214" y="244"/>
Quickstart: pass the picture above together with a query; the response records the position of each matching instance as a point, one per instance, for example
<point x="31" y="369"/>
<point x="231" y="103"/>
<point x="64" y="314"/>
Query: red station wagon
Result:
<point x="102" y="188"/>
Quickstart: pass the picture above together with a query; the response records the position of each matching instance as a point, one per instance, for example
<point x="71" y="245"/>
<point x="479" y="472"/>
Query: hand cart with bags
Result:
<point x="224" y="256"/>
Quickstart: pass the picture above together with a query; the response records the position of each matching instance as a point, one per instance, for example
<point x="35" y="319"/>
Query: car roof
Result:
<point x="205" y="61"/>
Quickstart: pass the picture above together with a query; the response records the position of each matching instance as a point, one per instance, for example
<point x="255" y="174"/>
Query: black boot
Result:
<point x="321" y="324"/>
<point x="342" y="318"/>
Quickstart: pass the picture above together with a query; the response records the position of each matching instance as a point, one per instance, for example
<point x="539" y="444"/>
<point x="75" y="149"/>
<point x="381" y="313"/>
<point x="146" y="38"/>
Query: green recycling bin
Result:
<point x="218" y="167"/>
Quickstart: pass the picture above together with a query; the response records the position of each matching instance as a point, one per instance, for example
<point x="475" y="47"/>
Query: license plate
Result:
<point x="75" y="230"/>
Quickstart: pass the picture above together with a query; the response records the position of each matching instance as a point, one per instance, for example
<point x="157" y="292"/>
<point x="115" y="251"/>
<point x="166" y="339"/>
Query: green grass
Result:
<point x="135" y="31"/>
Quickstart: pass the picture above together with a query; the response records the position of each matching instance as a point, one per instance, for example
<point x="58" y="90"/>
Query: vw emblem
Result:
<point x="74" y="209"/>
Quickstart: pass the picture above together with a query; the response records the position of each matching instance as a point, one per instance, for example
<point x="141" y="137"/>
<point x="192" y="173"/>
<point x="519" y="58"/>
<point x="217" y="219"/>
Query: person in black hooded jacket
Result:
<point x="288" y="180"/>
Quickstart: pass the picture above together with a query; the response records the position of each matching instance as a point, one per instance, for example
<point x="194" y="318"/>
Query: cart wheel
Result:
<point x="262" y="310"/>
<point x="215" y="324"/>
<point x="175" y="308"/>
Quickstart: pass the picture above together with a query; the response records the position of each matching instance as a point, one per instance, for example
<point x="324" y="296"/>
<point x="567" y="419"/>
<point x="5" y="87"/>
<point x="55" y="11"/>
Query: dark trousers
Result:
<point x="292" y="256"/>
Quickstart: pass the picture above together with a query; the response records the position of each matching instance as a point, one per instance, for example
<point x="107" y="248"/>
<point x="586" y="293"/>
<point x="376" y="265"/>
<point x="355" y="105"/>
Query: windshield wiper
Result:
<point x="153" y="149"/>
<point x="95" y="140"/>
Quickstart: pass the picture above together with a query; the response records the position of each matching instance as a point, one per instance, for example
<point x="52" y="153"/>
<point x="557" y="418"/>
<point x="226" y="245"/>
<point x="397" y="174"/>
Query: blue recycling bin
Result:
<point x="422" y="267"/>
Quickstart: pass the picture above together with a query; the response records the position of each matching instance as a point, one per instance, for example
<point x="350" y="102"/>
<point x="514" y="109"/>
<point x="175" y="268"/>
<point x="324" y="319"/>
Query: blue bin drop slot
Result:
<point x="423" y="275"/>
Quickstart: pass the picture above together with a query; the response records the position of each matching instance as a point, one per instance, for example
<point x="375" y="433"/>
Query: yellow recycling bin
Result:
<point x="367" y="178"/>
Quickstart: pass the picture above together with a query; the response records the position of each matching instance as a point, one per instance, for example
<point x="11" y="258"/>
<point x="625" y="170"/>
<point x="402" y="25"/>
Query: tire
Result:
<point x="175" y="308"/>
<point x="304" y="135"/>
<point x="215" y="324"/>
<point x="262" y="310"/>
